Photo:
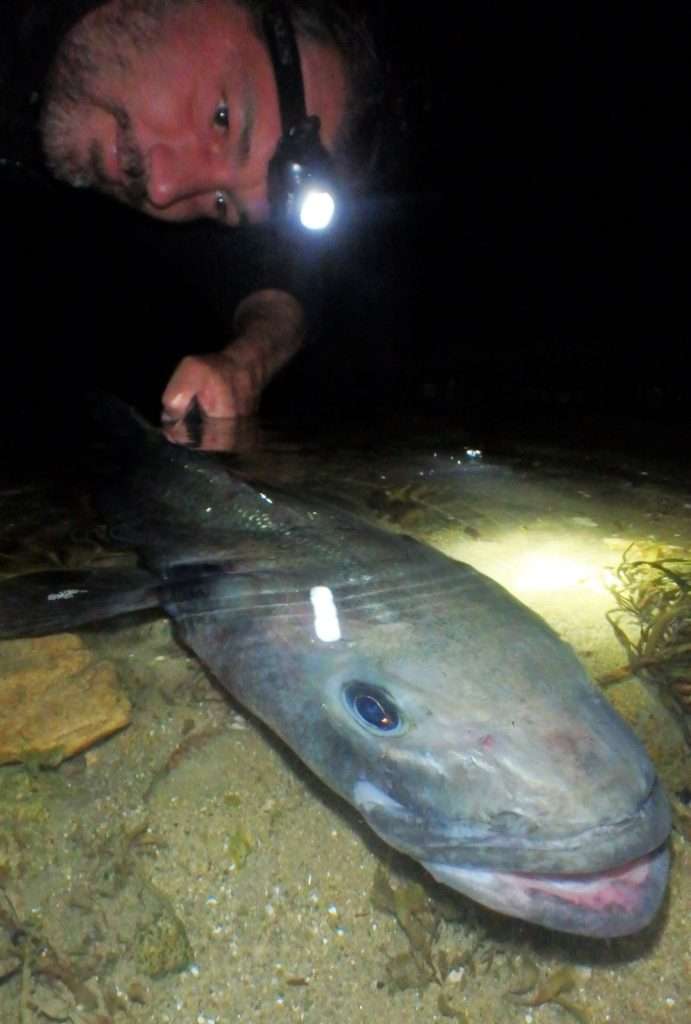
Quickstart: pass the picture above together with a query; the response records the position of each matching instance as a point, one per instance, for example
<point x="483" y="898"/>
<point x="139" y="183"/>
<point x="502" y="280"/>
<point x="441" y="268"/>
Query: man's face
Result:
<point x="177" y="117"/>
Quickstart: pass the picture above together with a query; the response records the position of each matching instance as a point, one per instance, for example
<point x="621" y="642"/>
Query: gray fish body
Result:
<point x="458" y="723"/>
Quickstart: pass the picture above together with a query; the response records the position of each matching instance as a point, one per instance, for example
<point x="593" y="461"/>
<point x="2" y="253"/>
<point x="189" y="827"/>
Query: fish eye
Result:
<point x="221" y="116"/>
<point x="373" y="708"/>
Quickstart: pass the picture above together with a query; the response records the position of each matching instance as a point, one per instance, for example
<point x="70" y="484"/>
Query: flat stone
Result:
<point x="56" y="699"/>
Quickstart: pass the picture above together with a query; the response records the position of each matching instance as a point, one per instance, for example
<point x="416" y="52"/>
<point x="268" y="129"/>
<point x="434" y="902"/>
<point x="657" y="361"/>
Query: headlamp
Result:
<point x="301" y="178"/>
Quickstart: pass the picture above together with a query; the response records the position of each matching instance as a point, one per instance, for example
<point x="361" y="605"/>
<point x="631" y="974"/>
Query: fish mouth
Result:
<point x="604" y="882"/>
<point x="605" y="904"/>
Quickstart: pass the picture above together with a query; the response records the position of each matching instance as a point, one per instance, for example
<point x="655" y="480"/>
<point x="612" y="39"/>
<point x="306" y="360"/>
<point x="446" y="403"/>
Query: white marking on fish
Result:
<point x="326" y="625"/>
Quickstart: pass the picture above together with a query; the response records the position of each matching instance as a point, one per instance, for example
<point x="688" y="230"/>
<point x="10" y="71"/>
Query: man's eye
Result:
<point x="222" y="116"/>
<point x="221" y="206"/>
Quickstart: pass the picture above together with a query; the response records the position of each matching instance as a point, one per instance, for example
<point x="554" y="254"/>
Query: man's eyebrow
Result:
<point x="244" y="143"/>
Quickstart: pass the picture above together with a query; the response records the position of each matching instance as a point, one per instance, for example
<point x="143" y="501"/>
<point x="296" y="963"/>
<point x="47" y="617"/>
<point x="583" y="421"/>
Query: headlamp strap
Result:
<point x="283" y="50"/>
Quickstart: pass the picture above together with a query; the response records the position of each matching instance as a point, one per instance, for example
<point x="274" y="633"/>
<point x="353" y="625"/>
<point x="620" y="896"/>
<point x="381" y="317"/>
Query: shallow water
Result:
<point x="190" y="869"/>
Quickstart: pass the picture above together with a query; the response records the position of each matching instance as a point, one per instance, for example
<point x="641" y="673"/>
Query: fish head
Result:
<point x="463" y="729"/>
<point x="476" y="744"/>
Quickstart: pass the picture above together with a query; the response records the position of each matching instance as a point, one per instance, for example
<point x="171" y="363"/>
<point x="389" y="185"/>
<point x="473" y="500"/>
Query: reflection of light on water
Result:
<point x="326" y="624"/>
<point x="549" y="571"/>
<point x="561" y="574"/>
<point x="529" y="565"/>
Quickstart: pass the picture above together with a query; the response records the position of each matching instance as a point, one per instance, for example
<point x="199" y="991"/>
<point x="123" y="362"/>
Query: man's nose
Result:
<point x="179" y="171"/>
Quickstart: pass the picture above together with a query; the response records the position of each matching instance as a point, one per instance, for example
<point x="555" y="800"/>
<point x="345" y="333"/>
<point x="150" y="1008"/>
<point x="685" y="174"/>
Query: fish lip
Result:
<point x="604" y="905"/>
<point x="467" y="845"/>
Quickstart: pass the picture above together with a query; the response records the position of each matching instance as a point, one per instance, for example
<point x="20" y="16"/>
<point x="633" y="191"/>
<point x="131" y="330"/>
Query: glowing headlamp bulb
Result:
<point x="316" y="209"/>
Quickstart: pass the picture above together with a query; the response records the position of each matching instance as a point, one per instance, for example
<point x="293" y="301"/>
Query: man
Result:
<point x="171" y="107"/>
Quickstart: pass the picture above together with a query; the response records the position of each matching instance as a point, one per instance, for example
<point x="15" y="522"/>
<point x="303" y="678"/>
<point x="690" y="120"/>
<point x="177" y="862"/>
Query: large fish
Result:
<point x="462" y="728"/>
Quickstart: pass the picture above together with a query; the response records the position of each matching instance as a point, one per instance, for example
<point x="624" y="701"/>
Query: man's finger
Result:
<point x="181" y="389"/>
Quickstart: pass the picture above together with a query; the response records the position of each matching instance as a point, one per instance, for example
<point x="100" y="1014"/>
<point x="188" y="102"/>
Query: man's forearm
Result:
<point x="269" y="328"/>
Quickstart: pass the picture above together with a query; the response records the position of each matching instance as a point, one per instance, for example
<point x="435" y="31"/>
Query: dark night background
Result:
<point x="522" y="264"/>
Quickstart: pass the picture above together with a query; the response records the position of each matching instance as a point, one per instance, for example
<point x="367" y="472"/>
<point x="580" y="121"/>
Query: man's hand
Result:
<point x="269" y="328"/>
<point x="220" y="386"/>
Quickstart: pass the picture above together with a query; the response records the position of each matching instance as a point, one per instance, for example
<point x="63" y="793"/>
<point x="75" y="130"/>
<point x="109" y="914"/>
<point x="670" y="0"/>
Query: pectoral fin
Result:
<point x="55" y="601"/>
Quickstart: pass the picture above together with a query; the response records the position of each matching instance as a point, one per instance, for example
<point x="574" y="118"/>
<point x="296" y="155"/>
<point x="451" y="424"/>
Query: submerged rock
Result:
<point x="56" y="699"/>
